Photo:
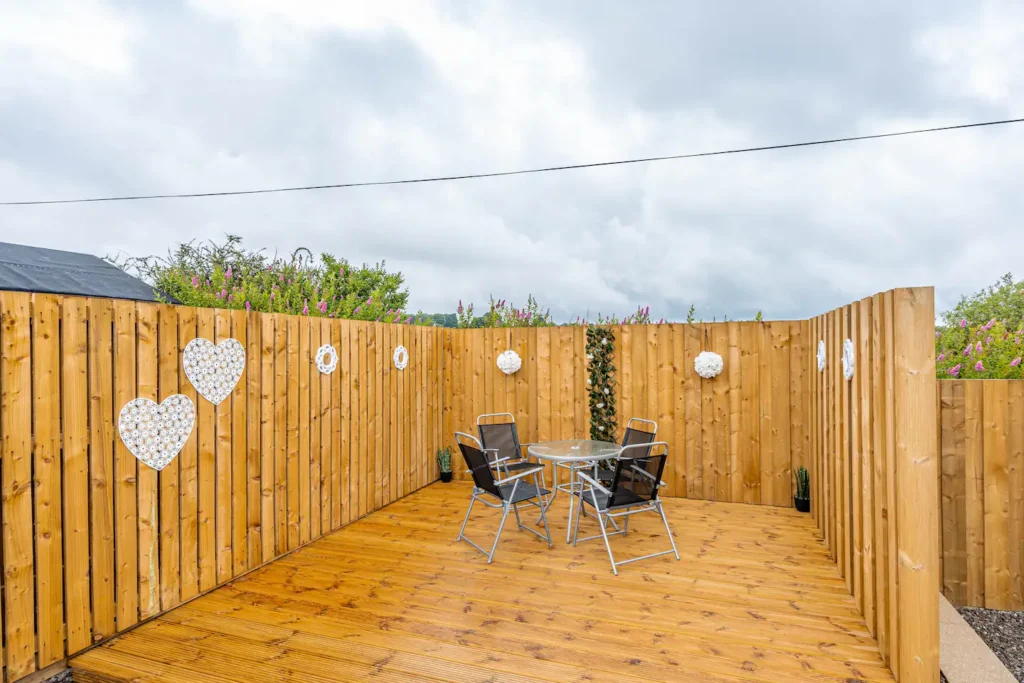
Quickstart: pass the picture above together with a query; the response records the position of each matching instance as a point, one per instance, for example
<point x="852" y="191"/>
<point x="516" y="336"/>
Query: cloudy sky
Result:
<point x="110" y="98"/>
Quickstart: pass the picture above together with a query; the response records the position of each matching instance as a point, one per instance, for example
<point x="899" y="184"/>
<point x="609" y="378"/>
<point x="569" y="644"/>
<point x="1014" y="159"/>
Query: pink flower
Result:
<point x="938" y="335"/>
<point x="356" y="312"/>
<point x="955" y="370"/>
<point x="322" y="306"/>
<point x="330" y="315"/>
<point x="408" y="321"/>
<point x="223" y="293"/>
<point x="963" y="322"/>
<point x="305" y="307"/>
<point x="941" y="357"/>
<point x="195" y="281"/>
<point x="271" y="296"/>
<point x="1015" y="362"/>
<point x="967" y="351"/>
<point x="459" y="309"/>
<point x="248" y="306"/>
<point x="231" y="297"/>
<point x="280" y="278"/>
<point x="988" y="339"/>
<point x="341" y="271"/>
<point x="978" y="347"/>
<point x="979" y="367"/>
<point x="369" y="301"/>
<point x="228" y="273"/>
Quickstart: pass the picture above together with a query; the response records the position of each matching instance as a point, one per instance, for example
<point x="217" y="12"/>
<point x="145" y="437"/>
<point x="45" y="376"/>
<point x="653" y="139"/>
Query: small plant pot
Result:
<point x="802" y="504"/>
<point x="446" y="477"/>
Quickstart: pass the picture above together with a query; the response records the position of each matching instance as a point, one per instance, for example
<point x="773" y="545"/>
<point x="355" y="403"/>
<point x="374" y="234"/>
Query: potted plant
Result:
<point x="444" y="461"/>
<point x="802" y="499"/>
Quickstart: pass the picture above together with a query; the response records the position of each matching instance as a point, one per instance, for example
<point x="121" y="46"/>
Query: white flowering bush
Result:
<point x="708" y="364"/>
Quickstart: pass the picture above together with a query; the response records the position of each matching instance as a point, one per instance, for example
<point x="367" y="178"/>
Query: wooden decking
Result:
<point x="393" y="597"/>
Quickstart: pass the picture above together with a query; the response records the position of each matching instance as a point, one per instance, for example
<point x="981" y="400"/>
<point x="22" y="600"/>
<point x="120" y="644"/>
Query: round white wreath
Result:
<point x="401" y="358"/>
<point x="848" y="359"/>
<point x="708" y="364"/>
<point x="821" y="355"/>
<point x="509" y="362"/>
<point x="326" y="359"/>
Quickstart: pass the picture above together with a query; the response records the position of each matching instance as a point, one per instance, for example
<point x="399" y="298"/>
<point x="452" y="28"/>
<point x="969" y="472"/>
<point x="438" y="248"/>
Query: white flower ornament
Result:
<point x="155" y="433"/>
<point x="708" y="364"/>
<point x="401" y="358"/>
<point x="214" y="370"/>
<point x="848" y="359"/>
<point x="821" y="355"/>
<point x="509" y="362"/>
<point x="326" y="359"/>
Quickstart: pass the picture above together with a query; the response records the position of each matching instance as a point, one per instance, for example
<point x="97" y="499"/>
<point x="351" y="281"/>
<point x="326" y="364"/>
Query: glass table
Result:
<point x="574" y="455"/>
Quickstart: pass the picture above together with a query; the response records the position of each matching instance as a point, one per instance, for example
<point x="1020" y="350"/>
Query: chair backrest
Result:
<point x="638" y="477"/>
<point x="634" y="436"/>
<point x="501" y="436"/>
<point x="478" y="464"/>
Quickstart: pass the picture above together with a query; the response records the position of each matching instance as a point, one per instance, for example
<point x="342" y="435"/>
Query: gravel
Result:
<point x="1003" y="631"/>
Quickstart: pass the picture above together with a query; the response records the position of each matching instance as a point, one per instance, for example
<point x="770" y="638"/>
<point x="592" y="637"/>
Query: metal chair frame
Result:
<point x="624" y="511"/>
<point x="503" y="503"/>
<point x="509" y="460"/>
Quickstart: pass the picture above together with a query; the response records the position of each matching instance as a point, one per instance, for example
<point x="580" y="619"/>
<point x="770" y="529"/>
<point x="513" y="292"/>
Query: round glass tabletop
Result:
<point x="572" y="450"/>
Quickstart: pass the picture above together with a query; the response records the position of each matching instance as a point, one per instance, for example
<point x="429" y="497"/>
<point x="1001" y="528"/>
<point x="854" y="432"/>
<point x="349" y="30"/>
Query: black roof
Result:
<point x="34" y="269"/>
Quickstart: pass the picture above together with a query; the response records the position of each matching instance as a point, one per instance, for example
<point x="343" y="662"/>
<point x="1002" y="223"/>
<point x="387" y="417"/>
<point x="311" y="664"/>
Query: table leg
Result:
<point x="572" y="499"/>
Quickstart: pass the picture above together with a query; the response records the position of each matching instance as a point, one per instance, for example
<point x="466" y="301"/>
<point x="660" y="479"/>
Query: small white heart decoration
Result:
<point x="155" y="433"/>
<point x="214" y="370"/>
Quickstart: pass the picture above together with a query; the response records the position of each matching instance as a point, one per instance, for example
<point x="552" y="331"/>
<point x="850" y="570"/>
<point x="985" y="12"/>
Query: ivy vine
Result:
<point x="601" y="382"/>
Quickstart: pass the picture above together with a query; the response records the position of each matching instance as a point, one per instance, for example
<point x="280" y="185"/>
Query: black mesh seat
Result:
<point x="633" y="436"/>
<point x="633" y="489"/>
<point x="502" y="440"/>
<point x="506" y="492"/>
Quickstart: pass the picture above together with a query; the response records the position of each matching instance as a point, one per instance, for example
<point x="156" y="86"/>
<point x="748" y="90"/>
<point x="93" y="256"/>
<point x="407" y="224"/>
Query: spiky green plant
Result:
<point x="803" y="484"/>
<point x="444" y="459"/>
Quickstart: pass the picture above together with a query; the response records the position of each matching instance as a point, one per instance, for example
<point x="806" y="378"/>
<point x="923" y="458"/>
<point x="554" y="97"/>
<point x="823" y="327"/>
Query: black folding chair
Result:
<point x="633" y="436"/>
<point x="501" y="439"/>
<point x="633" y="489"/>
<point x="506" y="492"/>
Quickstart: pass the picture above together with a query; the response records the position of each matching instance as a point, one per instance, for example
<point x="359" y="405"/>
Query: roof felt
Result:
<point x="33" y="269"/>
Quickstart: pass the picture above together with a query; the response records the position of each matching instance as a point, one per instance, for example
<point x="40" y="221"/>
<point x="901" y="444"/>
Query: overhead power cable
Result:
<point x="498" y="174"/>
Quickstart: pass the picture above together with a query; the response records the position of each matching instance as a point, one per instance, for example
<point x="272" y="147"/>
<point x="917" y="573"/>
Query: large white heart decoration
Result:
<point x="155" y="433"/>
<point x="214" y="370"/>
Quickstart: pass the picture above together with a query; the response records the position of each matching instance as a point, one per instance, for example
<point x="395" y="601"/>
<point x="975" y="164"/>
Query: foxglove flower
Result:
<point x="979" y="367"/>
<point x="978" y="347"/>
<point x="955" y="370"/>
<point x="969" y="349"/>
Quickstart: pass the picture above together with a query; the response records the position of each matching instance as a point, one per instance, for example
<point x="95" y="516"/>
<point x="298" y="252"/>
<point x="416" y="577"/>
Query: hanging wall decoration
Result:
<point x="708" y="364"/>
<point x="401" y="358"/>
<point x="821" y="355"/>
<point x="601" y="383"/>
<point x="509" y="362"/>
<point x="214" y="370"/>
<point x="326" y="359"/>
<point x="155" y="433"/>
<point x="848" y="359"/>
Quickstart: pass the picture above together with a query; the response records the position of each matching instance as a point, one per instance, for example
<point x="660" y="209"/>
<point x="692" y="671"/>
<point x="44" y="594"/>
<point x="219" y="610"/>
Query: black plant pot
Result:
<point x="802" y="504"/>
<point x="446" y="477"/>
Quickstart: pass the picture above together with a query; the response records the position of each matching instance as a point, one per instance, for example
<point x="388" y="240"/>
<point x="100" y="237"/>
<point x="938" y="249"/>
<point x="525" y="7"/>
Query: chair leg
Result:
<point x="579" y="513"/>
<point x="462" y="531"/>
<point x="664" y="519"/>
<point x="497" y="537"/>
<point x="607" y="545"/>
<point x="544" y="516"/>
<point x="625" y="524"/>
<point x="519" y="522"/>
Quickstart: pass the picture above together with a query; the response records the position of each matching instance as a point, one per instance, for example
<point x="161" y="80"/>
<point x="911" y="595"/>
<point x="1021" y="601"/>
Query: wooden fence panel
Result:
<point x="981" y="440"/>
<point x="93" y="542"/>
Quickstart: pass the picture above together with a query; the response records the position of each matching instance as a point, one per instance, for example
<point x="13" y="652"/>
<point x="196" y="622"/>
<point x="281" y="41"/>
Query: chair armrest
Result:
<point x="593" y="482"/>
<point x="524" y="473"/>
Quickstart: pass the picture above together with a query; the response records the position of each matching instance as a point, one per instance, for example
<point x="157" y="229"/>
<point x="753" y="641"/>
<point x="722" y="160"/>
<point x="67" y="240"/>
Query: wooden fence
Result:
<point x="739" y="437"/>
<point x="93" y="542"/>
<point x="874" y="469"/>
<point x="981" y="439"/>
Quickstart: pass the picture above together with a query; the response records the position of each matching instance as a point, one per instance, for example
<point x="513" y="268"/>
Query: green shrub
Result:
<point x="227" y="275"/>
<point x="988" y="351"/>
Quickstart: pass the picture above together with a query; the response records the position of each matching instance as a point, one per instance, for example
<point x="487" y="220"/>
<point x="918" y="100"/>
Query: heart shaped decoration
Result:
<point x="214" y="370"/>
<point x="153" y="432"/>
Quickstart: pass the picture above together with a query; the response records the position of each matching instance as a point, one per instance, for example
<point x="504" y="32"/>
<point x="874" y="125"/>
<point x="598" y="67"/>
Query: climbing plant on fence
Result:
<point x="601" y="382"/>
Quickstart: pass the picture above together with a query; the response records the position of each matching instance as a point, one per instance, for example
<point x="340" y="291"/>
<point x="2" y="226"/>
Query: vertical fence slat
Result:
<point x="147" y="377"/>
<point x="255" y="417"/>
<point x="916" y="473"/>
<point x="267" y="445"/>
<point x="75" y="406"/>
<point x="206" y="470"/>
<point x="101" y="419"/>
<point x="222" y="486"/>
<point x="974" y="466"/>
<point x="170" y="542"/>
<point x="239" y="409"/>
<point x="867" y="457"/>
<point x="280" y="434"/>
<point x="47" y="478"/>
<point x="315" y="497"/>
<point x="16" y="411"/>
<point x="298" y="421"/>
<point x="1016" y="486"/>
<point x="188" y="469"/>
<point x="995" y="426"/>
<point x="126" y="496"/>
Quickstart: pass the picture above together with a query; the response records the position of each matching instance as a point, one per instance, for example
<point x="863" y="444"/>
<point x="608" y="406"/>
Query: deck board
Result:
<point x="394" y="597"/>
